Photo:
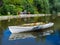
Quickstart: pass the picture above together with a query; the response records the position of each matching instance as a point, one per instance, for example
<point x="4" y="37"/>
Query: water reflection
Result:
<point x="25" y="35"/>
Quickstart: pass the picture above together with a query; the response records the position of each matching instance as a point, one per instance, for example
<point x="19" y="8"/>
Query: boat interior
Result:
<point x="34" y="24"/>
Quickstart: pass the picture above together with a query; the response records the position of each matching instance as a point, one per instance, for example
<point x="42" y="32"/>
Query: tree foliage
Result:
<point x="33" y="6"/>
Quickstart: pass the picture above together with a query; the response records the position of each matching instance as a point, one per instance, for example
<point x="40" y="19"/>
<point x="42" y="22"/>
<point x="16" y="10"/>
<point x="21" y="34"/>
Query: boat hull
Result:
<point x="17" y="29"/>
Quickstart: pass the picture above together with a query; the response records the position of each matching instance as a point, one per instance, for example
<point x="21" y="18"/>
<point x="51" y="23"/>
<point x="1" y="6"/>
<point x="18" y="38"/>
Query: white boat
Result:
<point x="26" y="27"/>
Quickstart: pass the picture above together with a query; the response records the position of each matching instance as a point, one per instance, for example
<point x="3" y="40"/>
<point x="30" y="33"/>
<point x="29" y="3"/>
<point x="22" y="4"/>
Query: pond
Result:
<point x="50" y="36"/>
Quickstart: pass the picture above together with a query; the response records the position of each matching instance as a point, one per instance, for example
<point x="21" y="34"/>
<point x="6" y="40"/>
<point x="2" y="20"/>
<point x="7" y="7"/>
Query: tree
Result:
<point x="33" y="6"/>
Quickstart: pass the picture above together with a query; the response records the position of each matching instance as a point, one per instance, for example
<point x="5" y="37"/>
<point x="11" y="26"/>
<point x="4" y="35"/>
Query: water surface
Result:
<point x="49" y="36"/>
